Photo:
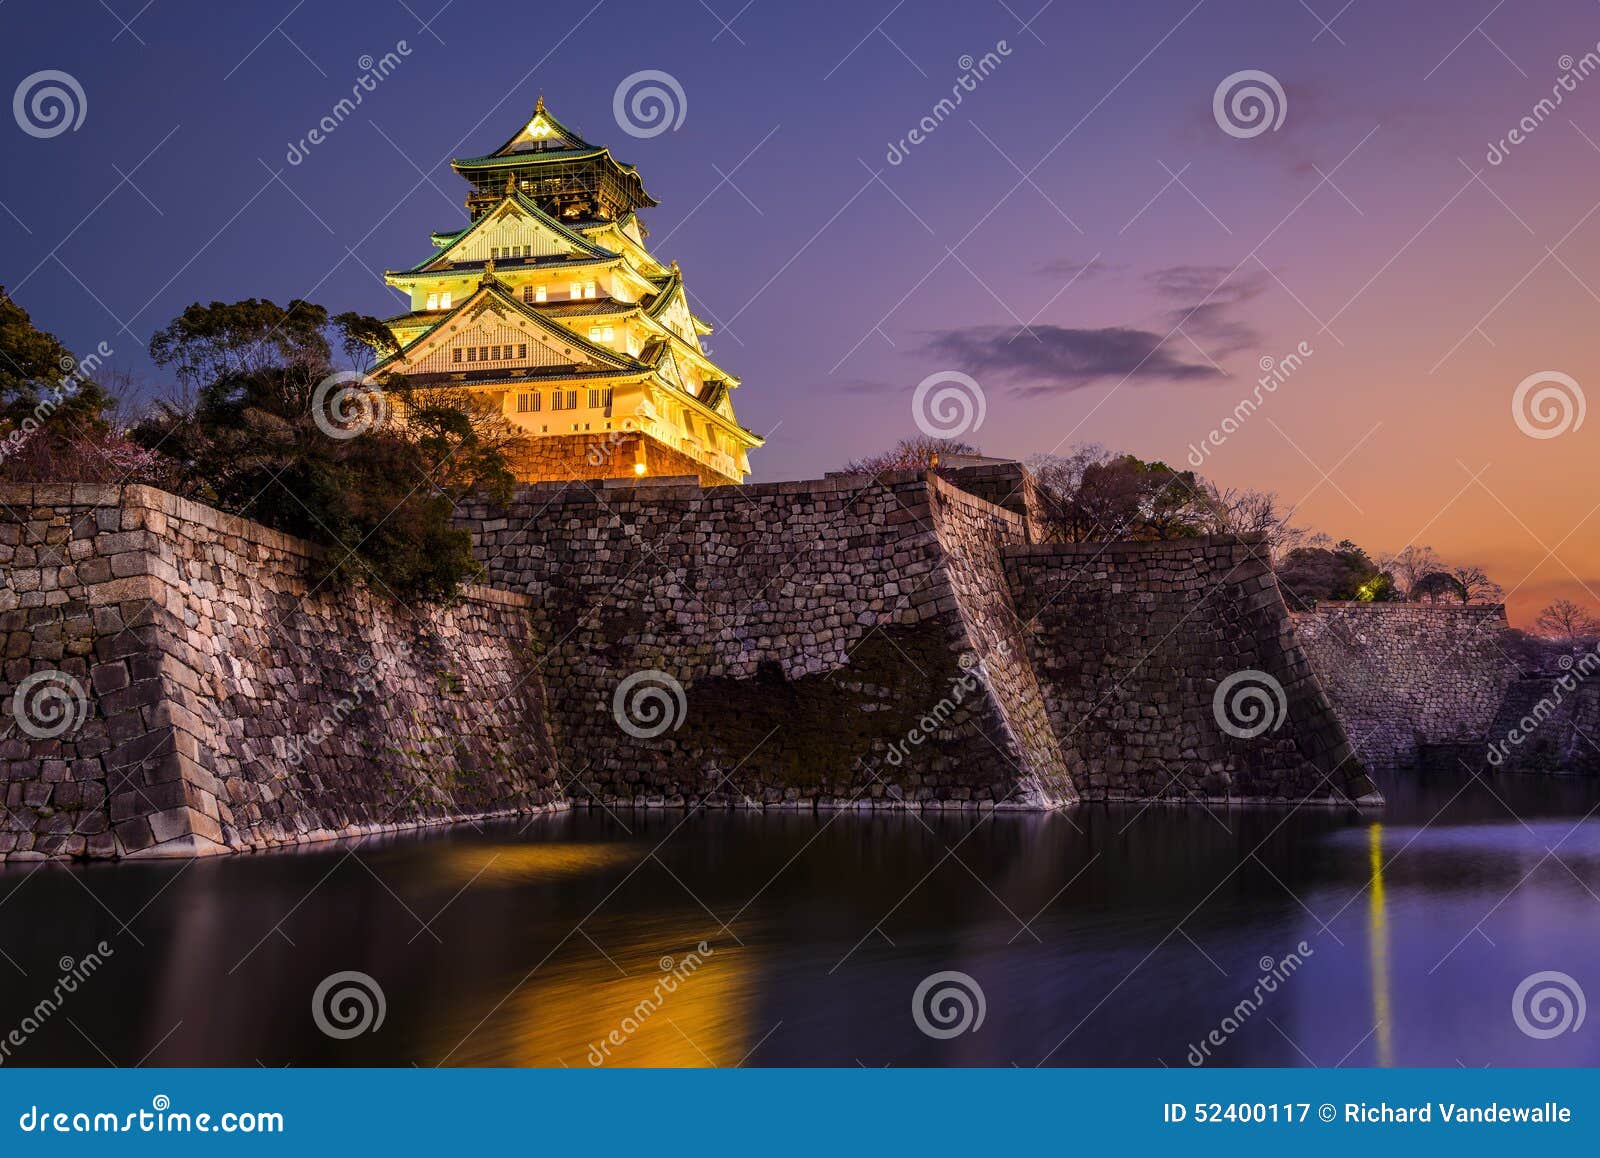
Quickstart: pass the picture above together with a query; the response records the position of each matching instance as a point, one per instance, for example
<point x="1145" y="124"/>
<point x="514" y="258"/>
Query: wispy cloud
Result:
<point x="1045" y="359"/>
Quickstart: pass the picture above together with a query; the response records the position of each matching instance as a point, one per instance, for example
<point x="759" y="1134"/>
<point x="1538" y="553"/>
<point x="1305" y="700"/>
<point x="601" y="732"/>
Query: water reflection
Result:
<point x="1107" y="936"/>
<point x="1378" y="940"/>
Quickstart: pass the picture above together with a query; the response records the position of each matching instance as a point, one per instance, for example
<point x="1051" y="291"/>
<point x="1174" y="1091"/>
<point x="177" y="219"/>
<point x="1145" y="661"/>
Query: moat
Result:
<point x="1099" y="936"/>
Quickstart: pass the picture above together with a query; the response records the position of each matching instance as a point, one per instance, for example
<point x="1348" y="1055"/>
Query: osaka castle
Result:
<point x="549" y="304"/>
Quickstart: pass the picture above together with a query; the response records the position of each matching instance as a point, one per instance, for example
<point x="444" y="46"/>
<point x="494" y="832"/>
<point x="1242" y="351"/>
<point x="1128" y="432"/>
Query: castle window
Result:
<point x="575" y="290"/>
<point x="539" y="294"/>
<point x="472" y="353"/>
<point x="455" y="354"/>
<point x="444" y="300"/>
<point x="558" y="400"/>
<point x="483" y="353"/>
<point x="527" y="403"/>
<point x="527" y="293"/>
<point x="433" y="301"/>
<point x="522" y="349"/>
<point x="588" y="289"/>
<point x="599" y="398"/>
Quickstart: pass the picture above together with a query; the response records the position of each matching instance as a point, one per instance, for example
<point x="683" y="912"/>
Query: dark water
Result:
<point x="1108" y="936"/>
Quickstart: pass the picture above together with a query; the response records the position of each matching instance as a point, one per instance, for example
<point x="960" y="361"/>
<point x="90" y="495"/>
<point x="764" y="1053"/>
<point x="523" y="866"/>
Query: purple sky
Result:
<point x="1080" y="236"/>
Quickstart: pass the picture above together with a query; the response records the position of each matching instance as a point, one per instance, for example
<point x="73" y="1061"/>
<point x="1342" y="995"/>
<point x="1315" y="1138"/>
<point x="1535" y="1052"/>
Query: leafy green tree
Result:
<point x="274" y="432"/>
<point x="1307" y="575"/>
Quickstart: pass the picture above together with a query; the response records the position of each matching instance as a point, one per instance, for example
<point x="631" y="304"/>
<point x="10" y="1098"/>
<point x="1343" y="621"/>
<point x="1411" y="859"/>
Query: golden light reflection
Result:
<point x="1378" y="947"/>
<point x="513" y="864"/>
<point x="685" y="1007"/>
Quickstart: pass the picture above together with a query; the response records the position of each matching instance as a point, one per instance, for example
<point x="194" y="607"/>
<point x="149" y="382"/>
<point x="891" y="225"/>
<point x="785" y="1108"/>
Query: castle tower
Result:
<point x="549" y="303"/>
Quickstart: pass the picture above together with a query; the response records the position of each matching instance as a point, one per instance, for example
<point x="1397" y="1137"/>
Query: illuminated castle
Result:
<point x="549" y="303"/>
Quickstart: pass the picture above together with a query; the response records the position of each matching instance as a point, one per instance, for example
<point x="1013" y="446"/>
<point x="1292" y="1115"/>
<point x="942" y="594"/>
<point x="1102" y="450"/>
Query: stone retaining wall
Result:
<point x="1131" y="642"/>
<point x="186" y="689"/>
<point x="1404" y="675"/>
<point x="852" y="642"/>
<point x="1548" y="724"/>
<point x="816" y="628"/>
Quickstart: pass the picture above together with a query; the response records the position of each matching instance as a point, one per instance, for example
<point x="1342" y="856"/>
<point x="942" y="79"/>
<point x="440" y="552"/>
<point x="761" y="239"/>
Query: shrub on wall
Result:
<point x="269" y="428"/>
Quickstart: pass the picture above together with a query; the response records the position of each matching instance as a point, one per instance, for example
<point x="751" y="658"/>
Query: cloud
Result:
<point x="1044" y="359"/>
<point x="1069" y="268"/>
<point x="1206" y="298"/>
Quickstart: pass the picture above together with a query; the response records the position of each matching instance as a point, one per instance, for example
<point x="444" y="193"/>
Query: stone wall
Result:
<point x="1131" y="642"/>
<point x="1548" y="724"/>
<point x="605" y="455"/>
<point x="852" y="642"/>
<point x="814" y="627"/>
<point x="1404" y="675"/>
<point x="185" y="688"/>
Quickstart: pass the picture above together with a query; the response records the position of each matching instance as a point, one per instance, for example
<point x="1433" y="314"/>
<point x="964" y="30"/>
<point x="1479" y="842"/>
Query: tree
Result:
<point x="1251" y="512"/>
<point x="910" y="454"/>
<point x="370" y="470"/>
<point x="1307" y="575"/>
<point x="1438" y="587"/>
<point x="1410" y="565"/>
<point x="56" y="416"/>
<point x="1093" y="494"/>
<point x="1477" y="584"/>
<point x="1567" y="622"/>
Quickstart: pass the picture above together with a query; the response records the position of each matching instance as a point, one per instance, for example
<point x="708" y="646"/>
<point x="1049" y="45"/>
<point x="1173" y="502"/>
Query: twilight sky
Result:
<point x="1080" y="236"/>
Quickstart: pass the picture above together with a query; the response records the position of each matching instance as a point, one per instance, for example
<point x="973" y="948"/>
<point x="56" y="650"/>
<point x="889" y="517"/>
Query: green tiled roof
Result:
<point x="596" y="252"/>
